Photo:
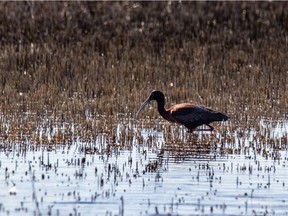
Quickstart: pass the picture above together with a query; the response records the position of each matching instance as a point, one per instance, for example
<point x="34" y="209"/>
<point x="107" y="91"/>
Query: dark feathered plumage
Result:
<point x="189" y="115"/>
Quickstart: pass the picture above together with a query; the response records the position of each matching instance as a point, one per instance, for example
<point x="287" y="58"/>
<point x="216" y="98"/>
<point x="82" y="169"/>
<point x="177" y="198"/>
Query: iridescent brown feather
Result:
<point x="189" y="115"/>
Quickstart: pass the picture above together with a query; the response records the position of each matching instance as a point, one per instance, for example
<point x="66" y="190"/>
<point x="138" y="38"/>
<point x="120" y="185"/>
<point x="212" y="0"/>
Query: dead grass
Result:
<point x="69" y="61"/>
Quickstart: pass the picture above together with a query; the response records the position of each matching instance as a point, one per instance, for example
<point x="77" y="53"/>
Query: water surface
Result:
<point x="84" y="178"/>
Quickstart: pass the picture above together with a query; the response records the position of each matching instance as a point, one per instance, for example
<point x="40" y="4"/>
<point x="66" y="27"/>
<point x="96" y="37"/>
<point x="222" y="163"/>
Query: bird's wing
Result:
<point x="189" y="114"/>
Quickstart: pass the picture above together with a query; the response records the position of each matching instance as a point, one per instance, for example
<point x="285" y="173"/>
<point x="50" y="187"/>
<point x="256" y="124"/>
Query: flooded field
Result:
<point x="153" y="176"/>
<point x="74" y="74"/>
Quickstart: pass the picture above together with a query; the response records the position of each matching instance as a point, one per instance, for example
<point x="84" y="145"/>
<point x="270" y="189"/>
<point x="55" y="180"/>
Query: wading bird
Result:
<point x="187" y="114"/>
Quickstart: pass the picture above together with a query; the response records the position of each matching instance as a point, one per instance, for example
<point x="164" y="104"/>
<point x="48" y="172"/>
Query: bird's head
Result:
<point x="155" y="95"/>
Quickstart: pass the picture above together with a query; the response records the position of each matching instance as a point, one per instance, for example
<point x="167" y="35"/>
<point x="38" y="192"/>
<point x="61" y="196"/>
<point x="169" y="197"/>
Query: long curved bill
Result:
<point x="142" y="106"/>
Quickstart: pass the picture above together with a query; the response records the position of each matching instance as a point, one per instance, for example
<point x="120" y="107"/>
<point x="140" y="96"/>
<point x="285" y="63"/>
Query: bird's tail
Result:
<point x="220" y="117"/>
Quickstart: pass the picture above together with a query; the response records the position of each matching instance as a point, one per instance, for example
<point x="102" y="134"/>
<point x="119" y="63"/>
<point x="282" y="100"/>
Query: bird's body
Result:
<point x="187" y="114"/>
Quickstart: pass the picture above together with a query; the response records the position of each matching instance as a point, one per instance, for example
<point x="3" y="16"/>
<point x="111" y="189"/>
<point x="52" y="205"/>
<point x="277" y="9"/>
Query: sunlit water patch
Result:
<point x="167" y="178"/>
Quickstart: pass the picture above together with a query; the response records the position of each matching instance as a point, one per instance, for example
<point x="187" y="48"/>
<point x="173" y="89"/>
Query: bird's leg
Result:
<point x="206" y="129"/>
<point x="190" y="130"/>
<point x="211" y="128"/>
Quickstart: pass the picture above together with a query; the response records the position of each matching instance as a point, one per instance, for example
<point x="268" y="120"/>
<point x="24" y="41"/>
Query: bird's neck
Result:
<point x="163" y="112"/>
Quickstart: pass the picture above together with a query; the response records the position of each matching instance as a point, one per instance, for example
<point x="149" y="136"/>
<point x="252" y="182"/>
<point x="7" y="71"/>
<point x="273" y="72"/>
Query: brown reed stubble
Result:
<point x="105" y="58"/>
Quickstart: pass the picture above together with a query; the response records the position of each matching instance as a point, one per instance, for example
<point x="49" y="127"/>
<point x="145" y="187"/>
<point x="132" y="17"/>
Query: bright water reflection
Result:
<point x="63" y="180"/>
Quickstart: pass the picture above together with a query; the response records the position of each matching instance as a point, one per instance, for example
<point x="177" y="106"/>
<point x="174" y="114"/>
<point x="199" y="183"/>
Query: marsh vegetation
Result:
<point x="73" y="74"/>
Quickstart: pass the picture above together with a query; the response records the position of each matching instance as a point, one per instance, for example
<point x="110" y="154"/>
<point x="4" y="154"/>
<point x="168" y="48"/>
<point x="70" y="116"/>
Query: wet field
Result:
<point x="74" y="74"/>
<point x="193" y="176"/>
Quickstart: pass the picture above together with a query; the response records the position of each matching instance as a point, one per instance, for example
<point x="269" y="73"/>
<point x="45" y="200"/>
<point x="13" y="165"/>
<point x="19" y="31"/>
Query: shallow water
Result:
<point x="78" y="179"/>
